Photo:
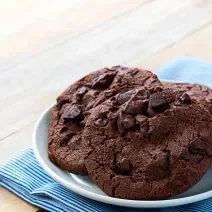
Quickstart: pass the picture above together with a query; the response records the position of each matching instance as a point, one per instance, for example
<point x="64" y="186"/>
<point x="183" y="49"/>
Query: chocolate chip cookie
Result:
<point x="77" y="102"/>
<point x="151" y="146"/>
<point x="199" y="92"/>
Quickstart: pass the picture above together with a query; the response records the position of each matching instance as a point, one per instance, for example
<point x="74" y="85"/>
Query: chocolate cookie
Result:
<point x="199" y="92"/>
<point x="154" y="146"/>
<point x="77" y="102"/>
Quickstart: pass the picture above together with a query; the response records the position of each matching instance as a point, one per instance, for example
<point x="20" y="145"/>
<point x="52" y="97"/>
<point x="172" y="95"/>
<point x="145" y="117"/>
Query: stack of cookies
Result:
<point x="136" y="137"/>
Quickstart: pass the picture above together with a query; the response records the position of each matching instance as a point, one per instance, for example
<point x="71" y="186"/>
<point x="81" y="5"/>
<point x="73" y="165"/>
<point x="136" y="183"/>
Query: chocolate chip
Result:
<point x="157" y="101"/>
<point x="185" y="98"/>
<point x="123" y="167"/>
<point x="125" y="122"/>
<point x="103" y="81"/>
<point x="135" y="107"/>
<point x="197" y="147"/>
<point x="122" y="98"/>
<point x="81" y="91"/>
<point x="72" y="112"/>
<point x="101" y="122"/>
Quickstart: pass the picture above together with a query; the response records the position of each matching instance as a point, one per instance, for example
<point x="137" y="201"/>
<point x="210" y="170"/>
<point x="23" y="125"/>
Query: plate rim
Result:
<point x="108" y="199"/>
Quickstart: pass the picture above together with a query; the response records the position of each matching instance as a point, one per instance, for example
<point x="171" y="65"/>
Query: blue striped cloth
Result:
<point x="23" y="175"/>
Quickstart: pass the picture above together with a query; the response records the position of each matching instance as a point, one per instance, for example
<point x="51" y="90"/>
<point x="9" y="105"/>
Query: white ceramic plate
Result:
<point x="85" y="187"/>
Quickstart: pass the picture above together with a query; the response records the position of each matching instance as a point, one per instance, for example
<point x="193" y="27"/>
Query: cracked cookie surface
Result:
<point x="76" y="103"/>
<point x="201" y="93"/>
<point x="151" y="146"/>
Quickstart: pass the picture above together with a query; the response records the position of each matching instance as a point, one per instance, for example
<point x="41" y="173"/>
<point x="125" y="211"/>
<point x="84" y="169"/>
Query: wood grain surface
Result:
<point x="46" y="45"/>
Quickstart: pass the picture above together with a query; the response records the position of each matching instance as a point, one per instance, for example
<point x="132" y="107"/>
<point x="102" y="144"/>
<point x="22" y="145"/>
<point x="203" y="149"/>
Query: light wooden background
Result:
<point x="47" y="44"/>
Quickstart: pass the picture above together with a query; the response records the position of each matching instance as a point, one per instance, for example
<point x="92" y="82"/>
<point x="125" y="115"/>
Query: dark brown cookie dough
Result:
<point x="76" y="103"/>
<point x="199" y="92"/>
<point x="154" y="146"/>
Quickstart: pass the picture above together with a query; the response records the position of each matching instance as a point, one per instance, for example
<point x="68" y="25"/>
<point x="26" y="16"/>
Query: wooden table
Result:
<point x="48" y="44"/>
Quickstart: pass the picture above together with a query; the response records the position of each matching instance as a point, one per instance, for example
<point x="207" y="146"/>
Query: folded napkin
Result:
<point x="23" y="176"/>
<point x="187" y="69"/>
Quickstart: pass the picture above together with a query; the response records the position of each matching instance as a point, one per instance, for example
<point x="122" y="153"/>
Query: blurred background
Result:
<point x="29" y="26"/>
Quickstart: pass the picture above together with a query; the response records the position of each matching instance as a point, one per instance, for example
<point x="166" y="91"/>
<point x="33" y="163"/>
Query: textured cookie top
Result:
<point x="146" y="145"/>
<point x="199" y="92"/>
<point x="76" y="103"/>
<point x="105" y="83"/>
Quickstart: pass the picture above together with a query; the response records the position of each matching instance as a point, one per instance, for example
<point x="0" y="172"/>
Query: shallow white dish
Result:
<point x="85" y="187"/>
